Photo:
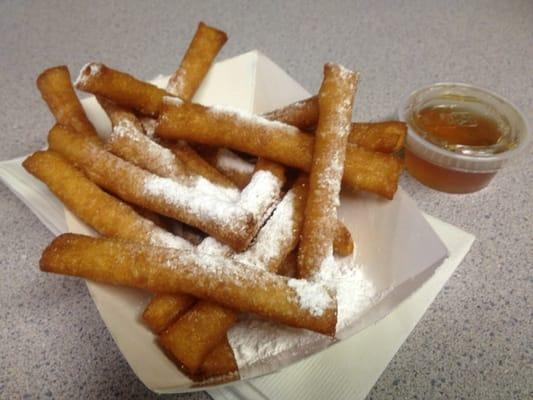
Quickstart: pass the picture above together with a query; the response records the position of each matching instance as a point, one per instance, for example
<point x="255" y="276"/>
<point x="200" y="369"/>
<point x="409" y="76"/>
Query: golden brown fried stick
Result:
<point x="175" y="160"/>
<point x="216" y="215"/>
<point x="203" y="49"/>
<point x="104" y="213"/>
<point x="342" y="240"/>
<point x="121" y="88"/>
<point x="191" y="338"/>
<point x="217" y="126"/>
<point x="57" y="91"/>
<point x="386" y="136"/>
<point x="128" y="141"/>
<point x="209" y="277"/>
<point x="220" y="362"/>
<point x="335" y="100"/>
<point x="164" y="309"/>
<point x="196" y="334"/>
<point x="302" y="114"/>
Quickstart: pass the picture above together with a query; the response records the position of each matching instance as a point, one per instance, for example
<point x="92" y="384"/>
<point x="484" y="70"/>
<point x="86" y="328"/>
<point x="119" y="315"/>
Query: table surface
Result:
<point x="475" y="341"/>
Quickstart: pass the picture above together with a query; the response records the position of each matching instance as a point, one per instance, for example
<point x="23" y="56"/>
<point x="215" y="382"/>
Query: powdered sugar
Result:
<point x="312" y="296"/>
<point x="149" y="126"/>
<point x="88" y="70"/>
<point x="256" y="342"/>
<point x="271" y="238"/>
<point x="196" y="198"/>
<point x="261" y="193"/>
<point x="244" y="116"/>
<point x="160" y="159"/>
<point x="227" y="160"/>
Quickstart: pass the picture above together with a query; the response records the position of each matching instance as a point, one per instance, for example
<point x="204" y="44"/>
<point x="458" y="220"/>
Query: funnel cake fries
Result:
<point x="192" y="337"/>
<point x="128" y="141"/>
<point x="385" y="137"/>
<point x="121" y="88"/>
<point x="57" y="92"/>
<point x="205" y="276"/>
<point x="104" y="213"/>
<point x="214" y="212"/>
<point x="335" y="104"/>
<point x="164" y="309"/>
<point x="221" y="126"/>
<point x="219" y="363"/>
<point x="203" y="49"/>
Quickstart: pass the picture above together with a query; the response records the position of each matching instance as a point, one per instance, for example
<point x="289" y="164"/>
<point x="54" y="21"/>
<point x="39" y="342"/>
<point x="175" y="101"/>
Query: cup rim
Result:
<point x="478" y="163"/>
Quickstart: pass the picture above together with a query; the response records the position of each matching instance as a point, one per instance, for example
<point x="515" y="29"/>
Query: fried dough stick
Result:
<point x="144" y="98"/>
<point x="57" y="91"/>
<point x="128" y="141"/>
<point x="218" y="126"/>
<point x="258" y="198"/>
<point x="335" y="103"/>
<point x="220" y="362"/>
<point x="209" y="277"/>
<point x="385" y="137"/>
<point x="197" y="333"/>
<point x="203" y="49"/>
<point x="184" y="83"/>
<point x="216" y="215"/>
<point x="104" y="213"/>
<point x="121" y="88"/>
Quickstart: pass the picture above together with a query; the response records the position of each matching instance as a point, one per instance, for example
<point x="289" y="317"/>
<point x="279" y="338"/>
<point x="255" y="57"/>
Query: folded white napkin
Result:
<point x="349" y="369"/>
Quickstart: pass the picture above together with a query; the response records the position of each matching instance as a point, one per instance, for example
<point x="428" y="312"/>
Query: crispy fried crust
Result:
<point x="385" y="137"/>
<point x="121" y="88"/>
<point x="302" y="114"/>
<point x="129" y="183"/>
<point x="220" y="362"/>
<point x="164" y="309"/>
<point x="203" y="49"/>
<point x="207" y="277"/>
<point x="101" y="211"/>
<point x="193" y="336"/>
<point x="57" y="91"/>
<point x="364" y="170"/>
<point x="335" y="101"/>
<point x="342" y="240"/>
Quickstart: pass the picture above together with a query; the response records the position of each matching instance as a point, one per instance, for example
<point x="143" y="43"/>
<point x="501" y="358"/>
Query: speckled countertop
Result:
<point x="475" y="341"/>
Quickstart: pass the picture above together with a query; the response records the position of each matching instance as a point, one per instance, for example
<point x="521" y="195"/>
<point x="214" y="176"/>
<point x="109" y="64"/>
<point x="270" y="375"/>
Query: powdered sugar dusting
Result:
<point x="261" y="193"/>
<point x="272" y="237"/>
<point x="227" y="160"/>
<point x="245" y="116"/>
<point x="163" y="238"/>
<point x="149" y="126"/>
<point x="172" y="100"/>
<point x="88" y="70"/>
<point x="194" y="198"/>
<point x="312" y="296"/>
<point x="161" y="159"/>
<point x="256" y="342"/>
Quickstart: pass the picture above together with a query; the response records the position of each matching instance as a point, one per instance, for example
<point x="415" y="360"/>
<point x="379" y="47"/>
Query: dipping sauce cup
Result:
<point x="459" y="136"/>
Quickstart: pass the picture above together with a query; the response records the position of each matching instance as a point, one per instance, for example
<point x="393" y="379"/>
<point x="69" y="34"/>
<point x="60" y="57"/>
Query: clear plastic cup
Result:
<point x="461" y="168"/>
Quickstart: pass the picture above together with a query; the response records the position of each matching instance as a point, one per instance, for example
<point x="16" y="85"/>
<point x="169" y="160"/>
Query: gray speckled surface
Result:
<point x="476" y="339"/>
